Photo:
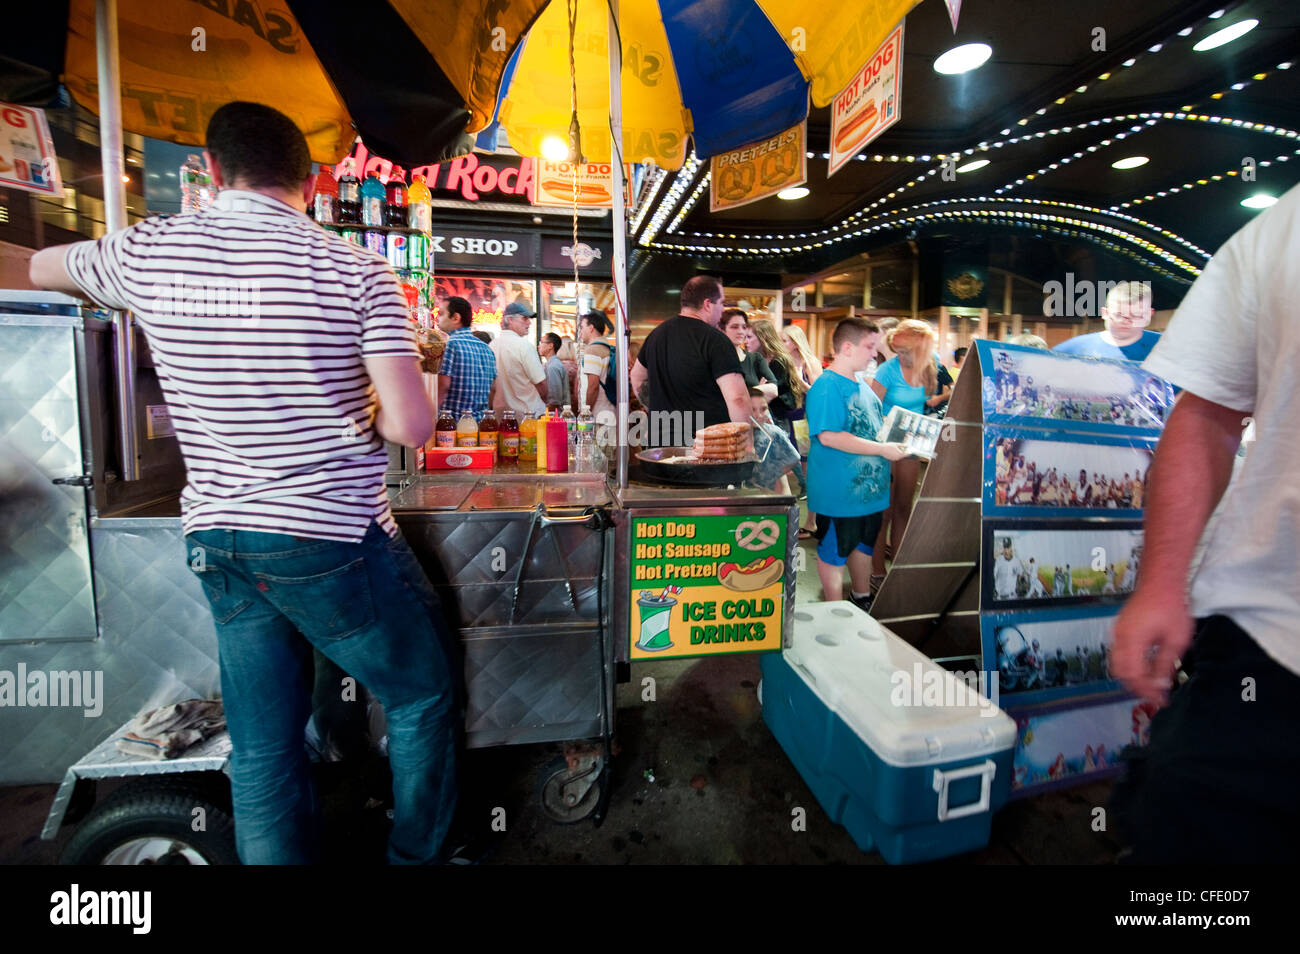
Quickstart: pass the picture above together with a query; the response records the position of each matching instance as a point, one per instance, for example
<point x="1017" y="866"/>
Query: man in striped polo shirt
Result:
<point x="285" y="355"/>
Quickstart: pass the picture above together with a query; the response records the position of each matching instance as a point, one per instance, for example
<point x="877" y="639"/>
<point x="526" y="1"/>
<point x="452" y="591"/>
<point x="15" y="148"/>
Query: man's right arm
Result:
<point x="1190" y="472"/>
<point x="640" y="379"/>
<point x="405" y="415"/>
<point x="736" y="394"/>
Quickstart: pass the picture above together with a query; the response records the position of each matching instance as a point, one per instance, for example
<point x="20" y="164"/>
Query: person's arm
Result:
<point x="935" y="400"/>
<point x="736" y="393"/>
<point x="640" y="381"/>
<point x="444" y="386"/>
<point x="591" y="390"/>
<point x="1191" y="469"/>
<point x="766" y="379"/>
<point x="850" y="444"/>
<point x="404" y="415"/>
<point x="48" y="269"/>
<point x="878" y="388"/>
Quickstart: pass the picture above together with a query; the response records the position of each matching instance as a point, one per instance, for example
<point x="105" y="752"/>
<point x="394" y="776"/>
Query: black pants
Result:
<point x="1220" y="779"/>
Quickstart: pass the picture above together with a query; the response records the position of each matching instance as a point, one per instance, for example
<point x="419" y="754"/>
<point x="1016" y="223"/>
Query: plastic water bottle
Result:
<point x="196" y="185"/>
<point x="570" y="424"/>
<point x="584" y="440"/>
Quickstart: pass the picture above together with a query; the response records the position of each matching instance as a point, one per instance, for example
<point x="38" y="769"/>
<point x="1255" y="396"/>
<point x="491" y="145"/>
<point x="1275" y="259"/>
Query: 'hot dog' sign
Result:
<point x="707" y="585"/>
<point x="595" y="183"/>
<point x="869" y="104"/>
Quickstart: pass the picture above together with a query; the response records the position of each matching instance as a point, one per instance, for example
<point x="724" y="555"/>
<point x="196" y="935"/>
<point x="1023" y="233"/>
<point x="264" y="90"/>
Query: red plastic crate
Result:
<point x="459" y="458"/>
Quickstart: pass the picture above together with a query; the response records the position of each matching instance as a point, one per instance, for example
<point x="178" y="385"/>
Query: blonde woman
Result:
<point x="796" y="346"/>
<point x="910" y="379"/>
<point x="568" y="356"/>
<point x="790" y="388"/>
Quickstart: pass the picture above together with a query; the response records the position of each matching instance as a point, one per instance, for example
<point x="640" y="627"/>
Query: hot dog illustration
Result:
<point x="752" y="576"/>
<point x="856" y="129"/>
<point x="587" y="192"/>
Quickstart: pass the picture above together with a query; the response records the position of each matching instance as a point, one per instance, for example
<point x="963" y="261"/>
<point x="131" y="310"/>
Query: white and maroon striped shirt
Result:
<point x="258" y="320"/>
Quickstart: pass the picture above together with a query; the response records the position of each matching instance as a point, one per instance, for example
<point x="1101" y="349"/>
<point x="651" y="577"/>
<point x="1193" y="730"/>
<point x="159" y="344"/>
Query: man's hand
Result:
<point x="1151" y="633"/>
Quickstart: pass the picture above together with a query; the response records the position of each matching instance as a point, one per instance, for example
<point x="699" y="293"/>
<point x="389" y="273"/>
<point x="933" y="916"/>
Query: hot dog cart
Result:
<point x="550" y="580"/>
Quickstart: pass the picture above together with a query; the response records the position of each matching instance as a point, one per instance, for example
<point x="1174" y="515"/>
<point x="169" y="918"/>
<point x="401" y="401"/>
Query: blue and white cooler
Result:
<point x="908" y="757"/>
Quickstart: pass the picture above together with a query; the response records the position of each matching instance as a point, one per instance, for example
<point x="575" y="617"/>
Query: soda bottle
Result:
<point x="372" y="201"/>
<point x="349" y="188"/>
<point x="467" y="430"/>
<point x="325" y="200"/>
<point x="509" y="436"/>
<point x="444" y="434"/>
<point x="395" y="209"/>
<point x="196" y="185"/>
<point x="488" y="429"/>
<point x="528" y="438"/>
<point x="419" y="205"/>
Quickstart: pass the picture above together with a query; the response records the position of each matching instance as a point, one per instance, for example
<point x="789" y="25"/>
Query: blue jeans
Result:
<point x="367" y="606"/>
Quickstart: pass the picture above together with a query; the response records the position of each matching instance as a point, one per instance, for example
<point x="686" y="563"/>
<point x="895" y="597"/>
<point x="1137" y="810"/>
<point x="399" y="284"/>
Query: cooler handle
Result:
<point x="985" y="769"/>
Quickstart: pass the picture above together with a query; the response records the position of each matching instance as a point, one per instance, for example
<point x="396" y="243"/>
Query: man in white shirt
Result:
<point x="1006" y="571"/>
<point x="1218" y="779"/>
<point x="520" y="378"/>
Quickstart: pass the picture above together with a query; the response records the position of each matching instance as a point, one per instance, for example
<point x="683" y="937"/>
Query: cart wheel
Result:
<point x="154" y="825"/>
<point x="561" y="795"/>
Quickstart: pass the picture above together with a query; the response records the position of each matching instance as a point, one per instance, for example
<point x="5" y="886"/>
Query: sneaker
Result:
<point x="862" y="602"/>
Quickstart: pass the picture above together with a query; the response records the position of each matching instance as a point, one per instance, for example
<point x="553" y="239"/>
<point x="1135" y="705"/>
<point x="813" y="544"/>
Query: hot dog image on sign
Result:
<point x="706" y="585"/>
<point x="869" y="104"/>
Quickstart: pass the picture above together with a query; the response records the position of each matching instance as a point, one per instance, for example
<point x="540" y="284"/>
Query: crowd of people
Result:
<point x="479" y="372"/>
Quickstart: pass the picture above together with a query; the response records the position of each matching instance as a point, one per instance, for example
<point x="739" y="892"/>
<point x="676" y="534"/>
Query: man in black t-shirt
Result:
<point x="687" y="365"/>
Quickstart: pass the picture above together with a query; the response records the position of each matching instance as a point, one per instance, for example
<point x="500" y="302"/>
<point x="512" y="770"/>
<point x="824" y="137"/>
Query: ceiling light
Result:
<point x="963" y="59"/>
<point x="555" y="149"/>
<point x="1216" y="14"/>
<point x="973" y="165"/>
<point x="1260" y="200"/>
<point x="794" y="192"/>
<point x="1226" y="35"/>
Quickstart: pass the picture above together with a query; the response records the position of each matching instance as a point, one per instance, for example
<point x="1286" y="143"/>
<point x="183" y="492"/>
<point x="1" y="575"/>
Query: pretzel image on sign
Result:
<point x="757" y="535"/>
<point x="759" y="170"/>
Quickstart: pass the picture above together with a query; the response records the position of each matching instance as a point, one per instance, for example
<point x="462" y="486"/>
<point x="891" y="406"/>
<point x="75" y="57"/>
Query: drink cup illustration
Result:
<point x="656" y="611"/>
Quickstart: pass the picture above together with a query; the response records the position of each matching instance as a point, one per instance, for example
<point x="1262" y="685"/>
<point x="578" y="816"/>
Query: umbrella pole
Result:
<point x="619" y="266"/>
<point x="110" y="150"/>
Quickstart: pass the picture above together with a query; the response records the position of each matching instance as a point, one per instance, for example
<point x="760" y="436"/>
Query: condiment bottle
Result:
<point x="509" y="436"/>
<point x="557" y="446"/>
<point x="467" y="430"/>
<point x="540" y="439"/>
<point x="528" y="438"/>
<point x="488" y="429"/>
<point x="444" y="434"/>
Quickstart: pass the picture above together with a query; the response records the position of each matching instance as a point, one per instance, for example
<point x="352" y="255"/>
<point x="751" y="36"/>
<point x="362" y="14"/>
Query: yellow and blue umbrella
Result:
<point x="721" y="73"/>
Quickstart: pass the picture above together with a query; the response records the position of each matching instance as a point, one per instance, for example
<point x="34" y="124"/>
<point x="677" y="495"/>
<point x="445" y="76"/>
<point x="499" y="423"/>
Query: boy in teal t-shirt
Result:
<point x="848" y="469"/>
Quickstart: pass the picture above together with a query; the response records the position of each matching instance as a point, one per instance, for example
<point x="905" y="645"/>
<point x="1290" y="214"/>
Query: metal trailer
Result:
<point x="93" y="581"/>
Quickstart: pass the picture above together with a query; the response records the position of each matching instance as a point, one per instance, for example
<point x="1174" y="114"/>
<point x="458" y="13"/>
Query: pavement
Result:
<point x="697" y="779"/>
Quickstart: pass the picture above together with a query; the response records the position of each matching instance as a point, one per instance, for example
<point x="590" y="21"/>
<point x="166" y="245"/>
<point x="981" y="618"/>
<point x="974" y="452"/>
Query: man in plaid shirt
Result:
<point x="467" y="380"/>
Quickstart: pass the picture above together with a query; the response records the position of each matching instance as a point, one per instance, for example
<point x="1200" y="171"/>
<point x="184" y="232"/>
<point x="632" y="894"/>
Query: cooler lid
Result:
<point x="908" y="708"/>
